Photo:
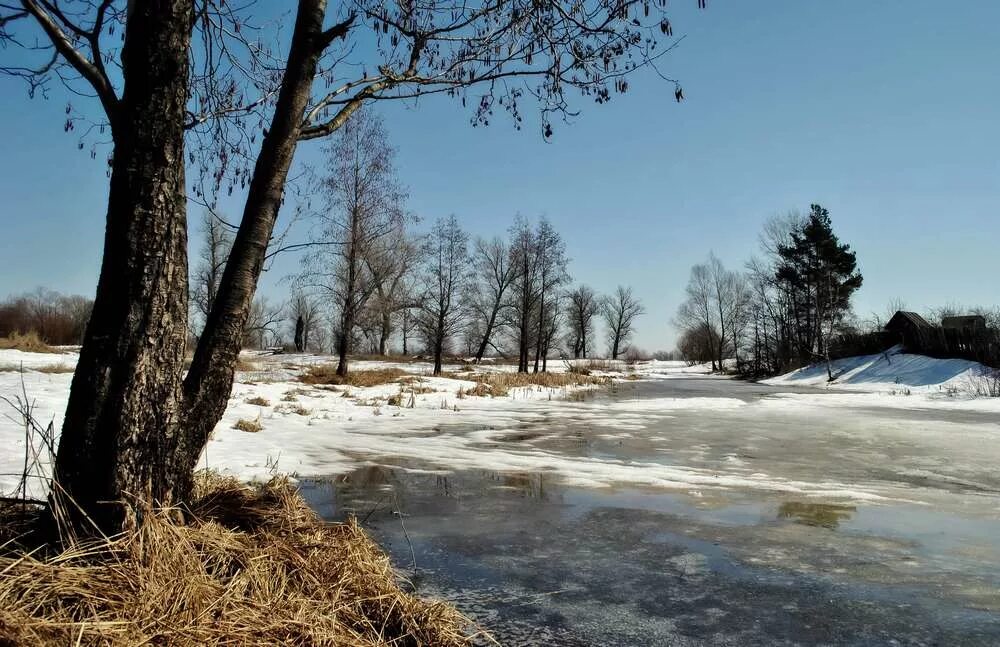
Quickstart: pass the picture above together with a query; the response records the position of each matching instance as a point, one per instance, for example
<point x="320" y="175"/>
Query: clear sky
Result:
<point x="887" y="113"/>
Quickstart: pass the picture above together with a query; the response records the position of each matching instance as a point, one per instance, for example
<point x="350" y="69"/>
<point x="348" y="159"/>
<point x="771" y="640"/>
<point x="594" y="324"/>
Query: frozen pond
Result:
<point x="801" y="518"/>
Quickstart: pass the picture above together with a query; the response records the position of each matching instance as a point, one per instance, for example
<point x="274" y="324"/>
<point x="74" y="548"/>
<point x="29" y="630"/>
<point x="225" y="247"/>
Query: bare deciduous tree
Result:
<point x="391" y="262"/>
<point x="216" y="241"/>
<point x="620" y="310"/>
<point x="494" y="270"/>
<point x="306" y="315"/>
<point x="263" y="325"/>
<point x="365" y="208"/>
<point x="550" y="252"/>
<point x="445" y="274"/>
<point x="525" y="290"/>
<point x="717" y="307"/>
<point x="583" y="306"/>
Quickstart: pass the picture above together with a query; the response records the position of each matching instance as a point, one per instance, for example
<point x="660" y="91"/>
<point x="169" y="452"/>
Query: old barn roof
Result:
<point x="904" y="318"/>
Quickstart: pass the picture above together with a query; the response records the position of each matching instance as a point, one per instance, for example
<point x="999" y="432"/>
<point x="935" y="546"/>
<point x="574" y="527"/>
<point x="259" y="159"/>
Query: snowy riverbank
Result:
<point x="434" y="424"/>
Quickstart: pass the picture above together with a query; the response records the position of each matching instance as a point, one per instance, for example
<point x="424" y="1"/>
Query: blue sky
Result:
<point x="887" y="113"/>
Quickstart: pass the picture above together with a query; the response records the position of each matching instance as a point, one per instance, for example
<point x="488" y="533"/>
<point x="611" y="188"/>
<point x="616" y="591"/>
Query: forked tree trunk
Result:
<point x="122" y="418"/>
<point x="210" y="379"/>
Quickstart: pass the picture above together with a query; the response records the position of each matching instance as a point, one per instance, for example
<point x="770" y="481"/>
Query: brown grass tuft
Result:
<point x="252" y="566"/>
<point x="259" y="401"/>
<point x="297" y="409"/>
<point x="249" y="426"/>
<point x="29" y="342"/>
<point x="54" y="368"/>
<point x="48" y="368"/>
<point x="327" y="374"/>
<point x="500" y="384"/>
<point x="245" y="366"/>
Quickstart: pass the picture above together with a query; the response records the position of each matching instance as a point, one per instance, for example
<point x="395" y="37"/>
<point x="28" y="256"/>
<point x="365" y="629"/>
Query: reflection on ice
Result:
<point x="824" y="515"/>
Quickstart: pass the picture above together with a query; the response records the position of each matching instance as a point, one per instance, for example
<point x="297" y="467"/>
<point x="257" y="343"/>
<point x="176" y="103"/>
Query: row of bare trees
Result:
<point x="368" y="279"/>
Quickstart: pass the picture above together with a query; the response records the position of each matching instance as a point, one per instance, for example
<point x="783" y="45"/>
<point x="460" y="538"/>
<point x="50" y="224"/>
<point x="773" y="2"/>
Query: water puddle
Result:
<point x="530" y="557"/>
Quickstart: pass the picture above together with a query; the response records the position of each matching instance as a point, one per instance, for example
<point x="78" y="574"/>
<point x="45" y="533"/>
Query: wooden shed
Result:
<point x="965" y="323"/>
<point x="908" y="328"/>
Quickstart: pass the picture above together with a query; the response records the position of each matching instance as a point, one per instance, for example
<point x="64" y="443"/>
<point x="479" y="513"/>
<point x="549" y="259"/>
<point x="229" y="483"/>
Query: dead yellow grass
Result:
<point x="327" y="374"/>
<point x="500" y="384"/>
<point x="48" y="368"/>
<point x="259" y="401"/>
<point x="253" y="566"/>
<point x="249" y="426"/>
<point x="245" y="366"/>
<point x="28" y="342"/>
<point x="54" y="368"/>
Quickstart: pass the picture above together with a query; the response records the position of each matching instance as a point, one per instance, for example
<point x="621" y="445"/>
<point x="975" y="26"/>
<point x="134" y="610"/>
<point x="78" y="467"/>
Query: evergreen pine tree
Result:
<point x="821" y="274"/>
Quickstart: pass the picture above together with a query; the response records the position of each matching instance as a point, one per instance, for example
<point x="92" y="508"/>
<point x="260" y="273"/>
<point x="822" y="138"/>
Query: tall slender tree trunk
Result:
<point x="122" y="418"/>
<point x="210" y="379"/>
<point x="406" y="325"/>
<point x="488" y="332"/>
<point x="438" y="348"/>
<point x="522" y="365"/>
<point x="384" y="332"/>
<point x="541" y="328"/>
<point x="344" y="338"/>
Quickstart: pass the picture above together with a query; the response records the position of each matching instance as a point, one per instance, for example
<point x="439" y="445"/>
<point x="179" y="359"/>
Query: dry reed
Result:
<point x="29" y="342"/>
<point x="249" y="426"/>
<point x="500" y="384"/>
<point x="327" y="374"/>
<point x="252" y="566"/>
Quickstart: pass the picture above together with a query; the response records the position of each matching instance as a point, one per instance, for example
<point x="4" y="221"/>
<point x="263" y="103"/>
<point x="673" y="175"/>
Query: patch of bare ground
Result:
<point x="249" y="566"/>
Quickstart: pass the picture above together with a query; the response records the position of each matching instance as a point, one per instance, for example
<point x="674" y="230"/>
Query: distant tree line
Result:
<point x="369" y="279"/>
<point x="58" y="319"/>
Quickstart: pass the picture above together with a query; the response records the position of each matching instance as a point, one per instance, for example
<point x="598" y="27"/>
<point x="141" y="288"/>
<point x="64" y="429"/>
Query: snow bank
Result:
<point x="888" y="371"/>
<point x="879" y="381"/>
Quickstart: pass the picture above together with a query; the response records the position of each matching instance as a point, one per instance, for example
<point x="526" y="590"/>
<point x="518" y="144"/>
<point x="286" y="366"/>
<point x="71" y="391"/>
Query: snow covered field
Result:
<point x="429" y="424"/>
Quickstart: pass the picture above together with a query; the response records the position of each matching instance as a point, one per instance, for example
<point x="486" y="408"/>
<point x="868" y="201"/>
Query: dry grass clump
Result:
<point x="28" y="342"/>
<point x="245" y="366"/>
<point x="327" y="374"/>
<point x="293" y="395"/>
<point x="259" y="401"/>
<point x="297" y="409"/>
<point x="48" y="368"/>
<point x="249" y="426"/>
<point x="54" y="368"/>
<point x="253" y="566"/>
<point x="500" y="384"/>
